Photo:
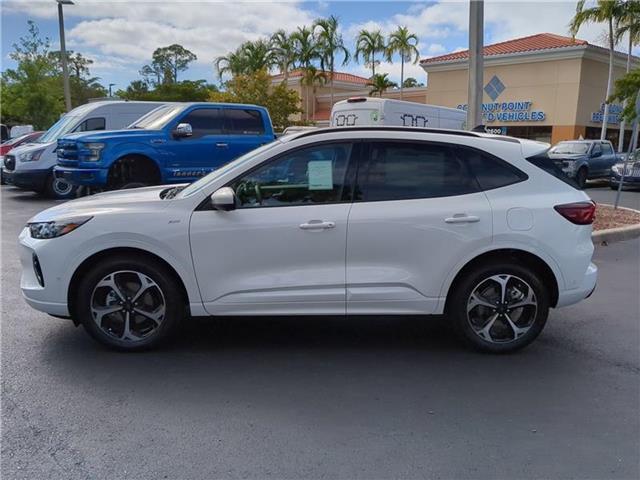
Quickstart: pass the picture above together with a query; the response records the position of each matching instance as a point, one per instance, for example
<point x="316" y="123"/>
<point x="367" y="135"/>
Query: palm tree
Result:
<point x="605" y="11"/>
<point x="284" y="53"/>
<point x="310" y="78"/>
<point x="380" y="84"/>
<point x="405" y="44"/>
<point x="234" y="63"/>
<point x="306" y="52"/>
<point x="259" y="55"/>
<point x="628" y="24"/>
<point x="367" y="45"/>
<point x="330" y="45"/>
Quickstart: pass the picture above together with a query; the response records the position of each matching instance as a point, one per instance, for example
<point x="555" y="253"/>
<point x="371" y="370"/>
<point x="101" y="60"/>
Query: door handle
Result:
<point x="462" y="218"/>
<point x="317" y="225"/>
<point x="222" y="145"/>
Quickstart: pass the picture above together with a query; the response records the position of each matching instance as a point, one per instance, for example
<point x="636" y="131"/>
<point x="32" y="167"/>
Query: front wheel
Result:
<point x="581" y="177"/>
<point x="59" y="188"/>
<point x="500" y="308"/>
<point x="129" y="303"/>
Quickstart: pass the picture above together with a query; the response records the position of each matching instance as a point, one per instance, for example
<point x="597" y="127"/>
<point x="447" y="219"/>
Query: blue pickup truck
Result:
<point x="175" y="143"/>
<point x="584" y="160"/>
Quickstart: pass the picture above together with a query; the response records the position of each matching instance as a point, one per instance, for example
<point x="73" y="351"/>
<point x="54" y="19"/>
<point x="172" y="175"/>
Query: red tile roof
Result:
<point x="532" y="43"/>
<point x="337" y="77"/>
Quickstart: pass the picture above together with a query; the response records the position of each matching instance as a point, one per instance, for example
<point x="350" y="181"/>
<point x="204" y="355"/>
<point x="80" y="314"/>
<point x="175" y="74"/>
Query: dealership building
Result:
<point x="545" y="87"/>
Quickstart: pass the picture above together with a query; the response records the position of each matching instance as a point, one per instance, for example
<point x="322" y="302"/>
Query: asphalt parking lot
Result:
<point x="324" y="397"/>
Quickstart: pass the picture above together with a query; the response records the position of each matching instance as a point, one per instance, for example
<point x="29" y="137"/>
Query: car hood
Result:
<point x="567" y="156"/>
<point x="128" y="133"/>
<point x="106" y="203"/>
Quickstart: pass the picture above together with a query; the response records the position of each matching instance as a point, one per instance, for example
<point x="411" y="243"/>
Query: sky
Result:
<point x="121" y="35"/>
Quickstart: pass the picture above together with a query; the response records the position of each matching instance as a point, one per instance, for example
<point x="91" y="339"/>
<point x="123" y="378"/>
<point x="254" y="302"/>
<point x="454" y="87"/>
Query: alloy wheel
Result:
<point x="128" y="305"/>
<point x="502" y="308"/>
<point x="61" y="187"/>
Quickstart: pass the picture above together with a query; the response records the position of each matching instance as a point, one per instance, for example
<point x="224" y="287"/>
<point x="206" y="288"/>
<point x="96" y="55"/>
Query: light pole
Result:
<point x="110" y="85"/>
<point x="63" y="53"/>
<point x="476" y="63"/>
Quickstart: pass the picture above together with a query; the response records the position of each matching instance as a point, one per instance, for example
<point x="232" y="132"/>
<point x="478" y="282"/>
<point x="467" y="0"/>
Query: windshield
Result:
<point x="199" y="184"/>
<point x="60" y="128"/>
<point x="158" y="118"/>
<point x="570" y="148"/>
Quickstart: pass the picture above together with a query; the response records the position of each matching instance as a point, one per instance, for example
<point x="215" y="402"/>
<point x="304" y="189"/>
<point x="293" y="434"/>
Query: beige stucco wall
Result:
<point x="552" y="86"/>
<point x="593" y="82"/>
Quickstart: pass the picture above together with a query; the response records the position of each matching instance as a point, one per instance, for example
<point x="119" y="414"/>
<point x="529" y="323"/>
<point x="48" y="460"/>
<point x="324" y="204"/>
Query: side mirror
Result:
<point x="183" y="130"/>
<point x="596" y="154"/>
<point x="224" y="199"/>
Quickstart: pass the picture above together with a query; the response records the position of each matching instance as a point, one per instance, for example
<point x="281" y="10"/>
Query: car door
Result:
<point x="282" y="250"/>
<point x="417" y="212"/>
<point x="188" y="158"/>
<point x="596" y="163"/>
<point x="608" y="158"/>
<point x="244" y="129"/>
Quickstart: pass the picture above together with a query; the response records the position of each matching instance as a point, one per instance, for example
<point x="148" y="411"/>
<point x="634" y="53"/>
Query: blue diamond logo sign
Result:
<point x="494" y="88"/>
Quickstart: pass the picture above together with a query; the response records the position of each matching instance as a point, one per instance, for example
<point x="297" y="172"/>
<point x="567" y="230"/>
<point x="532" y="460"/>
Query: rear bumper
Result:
<point x="90" y="177"/>
<point x="569" y="297"/>
<point x="27" y="179"/>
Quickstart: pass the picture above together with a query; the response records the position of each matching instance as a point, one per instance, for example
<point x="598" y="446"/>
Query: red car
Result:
<point x="5" y="147"/>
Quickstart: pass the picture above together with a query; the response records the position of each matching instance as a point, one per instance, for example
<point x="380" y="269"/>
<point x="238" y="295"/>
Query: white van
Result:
<point x="361" y="111"/>
<point x="31" y="166"/>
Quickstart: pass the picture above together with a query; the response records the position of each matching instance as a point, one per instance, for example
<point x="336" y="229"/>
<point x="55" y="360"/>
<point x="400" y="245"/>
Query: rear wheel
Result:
<point x="59" y="188"/>
<point x="581" y="177"/>
<point x="499" y="308"/>
<point x="129" y="303"/>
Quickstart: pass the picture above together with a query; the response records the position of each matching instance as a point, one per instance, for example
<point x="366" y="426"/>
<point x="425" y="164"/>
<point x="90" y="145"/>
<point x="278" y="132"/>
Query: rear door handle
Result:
<point x="317" y="225"/>
<point x="462" y="218"/>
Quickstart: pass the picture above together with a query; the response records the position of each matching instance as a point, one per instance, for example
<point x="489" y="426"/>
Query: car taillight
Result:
<point x="581" y="213"/>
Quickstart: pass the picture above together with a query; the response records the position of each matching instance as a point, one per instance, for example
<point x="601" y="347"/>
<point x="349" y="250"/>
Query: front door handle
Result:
<point x="462" y="218"/>
<point x="317" y="225"/>
<point x="222" y="145"/>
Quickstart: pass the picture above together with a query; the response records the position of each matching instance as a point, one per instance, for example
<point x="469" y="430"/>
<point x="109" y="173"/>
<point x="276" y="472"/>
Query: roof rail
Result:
<point x="462" y="133"/>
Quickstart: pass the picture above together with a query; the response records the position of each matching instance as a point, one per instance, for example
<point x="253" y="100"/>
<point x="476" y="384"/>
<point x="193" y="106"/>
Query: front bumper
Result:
<point x="569" y="297"/>
<point x="628" y="179"/>
<point x="90" y="177"/>
<point x="51" y="297"/>
<point x="27" y="179"/>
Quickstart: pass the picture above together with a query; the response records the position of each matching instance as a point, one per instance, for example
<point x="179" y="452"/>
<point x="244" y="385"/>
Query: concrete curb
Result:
<point x="617" y="234"/>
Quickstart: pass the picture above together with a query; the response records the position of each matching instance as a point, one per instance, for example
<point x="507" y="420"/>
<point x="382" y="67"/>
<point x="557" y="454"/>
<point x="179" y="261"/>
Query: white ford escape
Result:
<point x="335" y="221"/>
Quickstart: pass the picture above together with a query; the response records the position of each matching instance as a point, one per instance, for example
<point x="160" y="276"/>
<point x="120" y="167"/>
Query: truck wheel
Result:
<point x="59" y="188"/>
<point x="581" y="177"/>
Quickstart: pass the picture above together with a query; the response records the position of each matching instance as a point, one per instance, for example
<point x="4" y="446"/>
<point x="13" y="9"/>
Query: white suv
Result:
<point x="374" y="220"/>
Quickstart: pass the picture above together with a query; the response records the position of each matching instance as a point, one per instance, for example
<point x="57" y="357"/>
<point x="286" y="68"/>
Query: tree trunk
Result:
<point x="306" y="103"/>
<point x="401" y="75"/>
<point x="373" y="64"/>
<point x="622" y="122"/>
<point x="605" y="115"/>
<point x="331" y="87"/>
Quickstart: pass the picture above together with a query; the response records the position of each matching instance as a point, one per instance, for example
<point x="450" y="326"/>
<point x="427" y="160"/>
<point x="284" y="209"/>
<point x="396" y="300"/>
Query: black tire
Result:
<point x="581" y="177"/>
<point x="107" y="334"/>
<point x="461" y="297"/>
<point x="59" y="189"/>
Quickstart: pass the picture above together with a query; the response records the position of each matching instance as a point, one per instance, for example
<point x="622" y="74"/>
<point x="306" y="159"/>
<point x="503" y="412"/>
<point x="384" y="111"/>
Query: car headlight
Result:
<point x="91" y="151"/>
<point x="56" y="228"/>
<point x="32" y="156"/>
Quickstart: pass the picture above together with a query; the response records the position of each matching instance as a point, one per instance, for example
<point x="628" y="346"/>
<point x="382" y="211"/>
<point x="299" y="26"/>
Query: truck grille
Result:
<point x="67" y="152"/>
<point x="9" y="163"/>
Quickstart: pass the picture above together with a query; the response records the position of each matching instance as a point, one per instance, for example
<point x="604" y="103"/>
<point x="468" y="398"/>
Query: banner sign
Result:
<point x="516" y="111"/>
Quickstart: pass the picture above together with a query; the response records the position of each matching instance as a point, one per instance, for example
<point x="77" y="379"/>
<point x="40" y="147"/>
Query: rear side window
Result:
<point x="406" y="170"/>
<point x="543" y="162"/>
<point x="91" y="124"/>
<point x="204" y="121"/>
<point x="243" y="122"/>
<point x="490" y="172"/>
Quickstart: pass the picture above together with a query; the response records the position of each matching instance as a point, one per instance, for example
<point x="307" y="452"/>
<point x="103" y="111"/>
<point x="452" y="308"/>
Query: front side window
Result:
<point x="308" y="176"/>
<point x="204" y="121"/>
<point x="403" y="171"/>
<point x="596" y="149"/>
<point x="243" y="122"/>
<point x="606" y="149"/>
<point x="92" y="124"/>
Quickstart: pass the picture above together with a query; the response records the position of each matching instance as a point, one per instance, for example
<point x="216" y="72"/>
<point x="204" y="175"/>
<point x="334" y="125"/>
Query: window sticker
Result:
<point x="321" y="175"/>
